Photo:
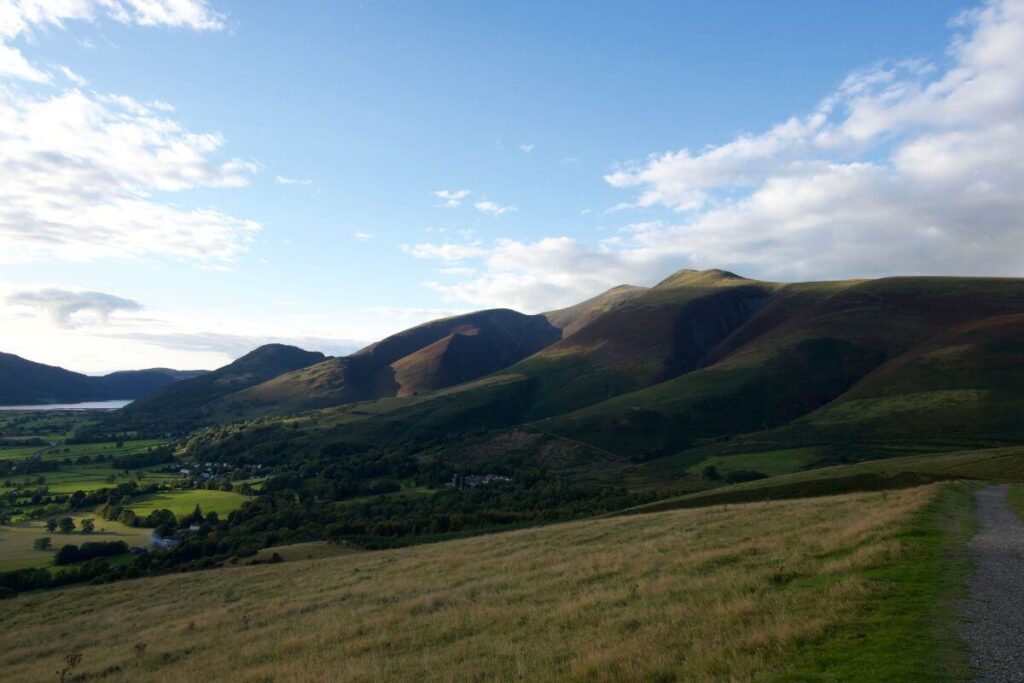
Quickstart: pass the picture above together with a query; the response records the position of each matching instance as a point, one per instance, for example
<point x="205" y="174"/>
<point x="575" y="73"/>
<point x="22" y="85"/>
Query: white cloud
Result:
<point x="457" y="271"/>
<point x="535" y="276"/>
<point x="72" y="76"/>
<point x="19" y="18"/>
<point x="71" y="308"/>
<point x="445" y="252"/>
<point x="285" y="180"/>
<point x="78" y="170"/>
<point x="14" y="65"/>
<point x="193" y="14"/>
<point x="362" y="236"/>
<point x="77" y="175"/>
<point x="99" y="332"/>
<point x="527" y="148"/>
<point x="906" y="168"/>
<point x="452" y="198"/>
<point x="494" y="208"/>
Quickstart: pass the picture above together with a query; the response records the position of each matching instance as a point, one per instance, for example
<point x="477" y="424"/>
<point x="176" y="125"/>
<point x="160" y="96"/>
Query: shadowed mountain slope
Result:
<point x="873" y="356"/>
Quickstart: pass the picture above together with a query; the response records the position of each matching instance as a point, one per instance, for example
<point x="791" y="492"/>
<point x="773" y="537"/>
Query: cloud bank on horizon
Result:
<point x="908" y="167"/>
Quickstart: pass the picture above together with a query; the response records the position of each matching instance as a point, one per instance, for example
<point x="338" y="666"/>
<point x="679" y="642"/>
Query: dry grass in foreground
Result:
<point x="721" y="593"/>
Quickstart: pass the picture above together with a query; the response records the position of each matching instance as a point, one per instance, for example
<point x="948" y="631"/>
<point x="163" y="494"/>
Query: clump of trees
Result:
<point x="154" y="520"/>
<point x="72" y="554"/>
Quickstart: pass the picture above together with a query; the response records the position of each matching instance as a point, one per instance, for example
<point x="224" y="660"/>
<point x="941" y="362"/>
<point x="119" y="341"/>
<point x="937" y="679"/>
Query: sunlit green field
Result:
<point x="16" y="542"/>
<point x="184" y="502"/>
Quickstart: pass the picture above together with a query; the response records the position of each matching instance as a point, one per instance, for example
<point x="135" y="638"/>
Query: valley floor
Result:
<point x="851" y="587"/>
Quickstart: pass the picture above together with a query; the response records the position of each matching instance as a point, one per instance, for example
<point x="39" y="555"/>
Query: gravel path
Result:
<point x="994" y="611"/>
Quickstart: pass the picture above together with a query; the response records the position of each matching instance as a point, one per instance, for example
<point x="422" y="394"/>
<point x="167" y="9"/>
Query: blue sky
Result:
<point x="598" y="143"/>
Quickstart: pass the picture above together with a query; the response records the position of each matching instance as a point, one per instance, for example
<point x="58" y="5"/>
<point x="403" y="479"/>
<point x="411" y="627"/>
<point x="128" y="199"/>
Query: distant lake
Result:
<point x="88" y="405"/>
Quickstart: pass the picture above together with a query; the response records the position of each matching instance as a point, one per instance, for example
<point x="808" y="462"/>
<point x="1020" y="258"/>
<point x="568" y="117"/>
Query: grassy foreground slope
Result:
<point x="845" y="587"/>
<point x="992" y="464"/>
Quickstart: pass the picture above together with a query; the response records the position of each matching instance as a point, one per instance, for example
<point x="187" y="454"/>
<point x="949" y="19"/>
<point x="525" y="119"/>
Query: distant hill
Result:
<point x="24" y="382"/>
<point x="188" y="402"/>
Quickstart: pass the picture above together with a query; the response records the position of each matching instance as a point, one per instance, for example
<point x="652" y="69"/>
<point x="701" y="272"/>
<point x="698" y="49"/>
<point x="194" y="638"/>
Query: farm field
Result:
<point x="19" y="452"/>
<point x="89" y="478"/>
<point x="773" y="591"/>
<point x="61" y="450"/>
<point x="184" y="502"/>
<point x="17" y="552"/>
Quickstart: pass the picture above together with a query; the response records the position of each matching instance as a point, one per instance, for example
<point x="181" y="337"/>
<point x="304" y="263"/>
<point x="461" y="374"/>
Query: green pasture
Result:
<point x="16" y="541"/>
<point x="184" y="502"/>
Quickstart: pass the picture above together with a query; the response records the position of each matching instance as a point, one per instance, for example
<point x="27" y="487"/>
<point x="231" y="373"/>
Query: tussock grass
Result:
<point x="721" y="593"/>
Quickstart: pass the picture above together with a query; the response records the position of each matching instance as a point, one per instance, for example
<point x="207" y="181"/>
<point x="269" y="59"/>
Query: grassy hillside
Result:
<point x="776" y="591"/>
<point x="915" y="358"/>
<point x="659" y="334"/>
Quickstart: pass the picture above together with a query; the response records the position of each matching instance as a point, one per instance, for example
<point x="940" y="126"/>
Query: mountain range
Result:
<point x="651" y="380"/>
<point x="24" y="382"/>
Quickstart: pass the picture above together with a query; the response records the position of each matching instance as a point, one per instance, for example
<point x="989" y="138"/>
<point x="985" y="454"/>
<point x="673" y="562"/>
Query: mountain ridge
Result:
<point x="26" y="382"/>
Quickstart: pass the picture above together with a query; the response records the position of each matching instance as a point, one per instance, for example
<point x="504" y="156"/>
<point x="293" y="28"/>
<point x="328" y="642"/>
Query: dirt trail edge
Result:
<point x="994" y="609"/>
